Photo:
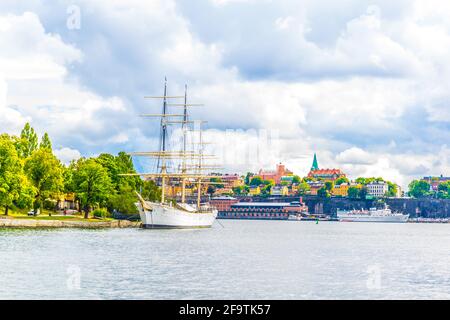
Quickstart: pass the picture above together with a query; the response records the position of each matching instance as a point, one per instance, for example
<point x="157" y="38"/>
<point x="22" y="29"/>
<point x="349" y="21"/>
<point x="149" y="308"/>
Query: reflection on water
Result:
<point x="242" y="260"/>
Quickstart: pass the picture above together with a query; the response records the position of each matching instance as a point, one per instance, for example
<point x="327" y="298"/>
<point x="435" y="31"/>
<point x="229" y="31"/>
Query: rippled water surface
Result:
<point x="241" y="260"/>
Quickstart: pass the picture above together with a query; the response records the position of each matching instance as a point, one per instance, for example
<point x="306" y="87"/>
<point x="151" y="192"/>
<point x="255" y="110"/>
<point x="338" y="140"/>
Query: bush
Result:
<point x="100" y="213"/>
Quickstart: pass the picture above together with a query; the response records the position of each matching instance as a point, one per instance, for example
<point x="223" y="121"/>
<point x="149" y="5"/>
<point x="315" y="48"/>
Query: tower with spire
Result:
<point x="315" y="165"/>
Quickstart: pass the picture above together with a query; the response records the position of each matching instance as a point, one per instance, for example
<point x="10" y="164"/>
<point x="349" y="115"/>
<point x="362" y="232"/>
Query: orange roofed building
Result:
<point x="275" y="175"/>
<point x="324" y="174"/>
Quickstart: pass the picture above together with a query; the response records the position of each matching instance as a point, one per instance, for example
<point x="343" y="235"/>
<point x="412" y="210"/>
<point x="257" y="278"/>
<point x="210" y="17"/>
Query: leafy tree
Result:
<point x="241" y="190"/>
<point x="392" y="189"/>
<point x="256" y="181"/>
<point x="329" y="185"/>
<point x="296" y="179"/>
<point x="362" y="193"/>
<point x="323" y="193"/>
<point x="92" y="184"/>
<point x="266" y="189"/>
<point x="419" y="188"/>
<point x="341" y="180"/>
<point x="303" y="188"/>
<point x="353" y="192"/>
<point x="45" y="173"/>
<point x="11" y="173"/>
<point x="150" y="191"/>
<point x="28" y="142"/>
<point x="124" y="200"/>
<point x="45" y="142"/>
<point x="248" y="178"/>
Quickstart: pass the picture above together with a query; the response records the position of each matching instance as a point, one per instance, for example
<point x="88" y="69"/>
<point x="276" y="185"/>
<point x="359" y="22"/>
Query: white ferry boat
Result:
<point x="371" y="215"/>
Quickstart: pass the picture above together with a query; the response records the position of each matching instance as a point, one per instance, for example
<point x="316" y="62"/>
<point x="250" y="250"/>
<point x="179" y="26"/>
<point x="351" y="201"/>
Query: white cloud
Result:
<point x="363" y="99"/>
<point x="66" y="155"/>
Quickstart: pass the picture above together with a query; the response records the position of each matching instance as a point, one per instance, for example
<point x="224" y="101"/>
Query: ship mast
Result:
<point x="184" y="128"/>
<point x="200" y="158"/>
<point x="163" y="149"/>
<point x="164" y="155"/>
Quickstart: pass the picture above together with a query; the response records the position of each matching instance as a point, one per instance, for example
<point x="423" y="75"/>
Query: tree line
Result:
<point x="31" y="175"/>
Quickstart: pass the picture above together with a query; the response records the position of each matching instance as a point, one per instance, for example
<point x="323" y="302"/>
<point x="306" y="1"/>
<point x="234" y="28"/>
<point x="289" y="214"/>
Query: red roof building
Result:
<point x="275" y="175"/>
<point x="326" y="174"/>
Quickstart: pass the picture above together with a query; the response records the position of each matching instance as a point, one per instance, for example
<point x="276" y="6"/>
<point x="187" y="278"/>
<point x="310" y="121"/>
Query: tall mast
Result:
<point x="184" y="128"/>
<point x="199" y="184"/>
<point x="163" y="147"/>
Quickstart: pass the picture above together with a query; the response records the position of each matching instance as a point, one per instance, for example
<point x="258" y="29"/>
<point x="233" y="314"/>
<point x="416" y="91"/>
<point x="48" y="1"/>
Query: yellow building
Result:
<point x="279" y="191"/>
<point x="341" y="190"/>
<point x="254" y="191"/>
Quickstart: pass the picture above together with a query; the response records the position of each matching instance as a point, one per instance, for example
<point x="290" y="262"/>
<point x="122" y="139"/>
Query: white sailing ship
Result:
<point x="371" y="215"/>
<point x="168" y="213"/>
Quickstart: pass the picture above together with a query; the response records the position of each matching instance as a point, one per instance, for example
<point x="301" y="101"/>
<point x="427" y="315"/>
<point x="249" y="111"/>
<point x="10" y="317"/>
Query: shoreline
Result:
<point x="36" y="223"/>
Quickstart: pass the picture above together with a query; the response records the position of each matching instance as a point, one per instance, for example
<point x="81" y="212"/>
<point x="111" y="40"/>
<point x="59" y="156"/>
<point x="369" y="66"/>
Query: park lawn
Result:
<point x="22" y="214"/>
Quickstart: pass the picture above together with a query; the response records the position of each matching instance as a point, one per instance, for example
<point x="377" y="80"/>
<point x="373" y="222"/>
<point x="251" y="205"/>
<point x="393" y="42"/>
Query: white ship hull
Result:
<point x="157" y="215"/>
<point x="373" y="218"/>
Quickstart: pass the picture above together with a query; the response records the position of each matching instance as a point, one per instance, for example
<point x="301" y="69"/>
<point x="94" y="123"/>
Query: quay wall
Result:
<point x="36" y="223"/>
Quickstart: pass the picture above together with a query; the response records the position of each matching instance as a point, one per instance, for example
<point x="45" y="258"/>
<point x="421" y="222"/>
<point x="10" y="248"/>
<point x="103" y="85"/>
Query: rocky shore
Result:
<point x="36" y="223"/>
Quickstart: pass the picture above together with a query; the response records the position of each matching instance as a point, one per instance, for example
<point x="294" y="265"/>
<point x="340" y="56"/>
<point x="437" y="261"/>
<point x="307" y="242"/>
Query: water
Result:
<point x="243" y="260"/>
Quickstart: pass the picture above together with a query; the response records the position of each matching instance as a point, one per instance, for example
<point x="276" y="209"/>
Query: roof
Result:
<point x="326" y="171"/>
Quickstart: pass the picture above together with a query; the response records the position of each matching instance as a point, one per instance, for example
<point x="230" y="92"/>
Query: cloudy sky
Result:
<point x="365" y="84"/>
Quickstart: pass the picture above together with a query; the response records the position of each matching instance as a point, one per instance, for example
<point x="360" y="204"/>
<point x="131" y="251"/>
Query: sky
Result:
<point x="364" y="84"/>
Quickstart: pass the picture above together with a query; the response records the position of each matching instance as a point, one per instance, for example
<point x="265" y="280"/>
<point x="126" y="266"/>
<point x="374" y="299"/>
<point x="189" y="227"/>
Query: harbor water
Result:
<point x="239" y="260"/>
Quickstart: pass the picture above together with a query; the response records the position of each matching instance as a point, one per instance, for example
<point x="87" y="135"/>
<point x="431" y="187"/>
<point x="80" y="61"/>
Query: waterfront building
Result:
<point x="279" y="190"/>
<point x="315" y="186"/>
<point x="436" y="181"/>
<point x="223" y="203"/>
<point x="324" y="174"/>
<point x="287" y="180"/>
<point x="341" y="190"/>
<point x="254" y="191"/>
<point x="276" y="175"/>
<point x="223" y="191"/>
<point x="232" y="180"/>
<point x="377" y="189"/>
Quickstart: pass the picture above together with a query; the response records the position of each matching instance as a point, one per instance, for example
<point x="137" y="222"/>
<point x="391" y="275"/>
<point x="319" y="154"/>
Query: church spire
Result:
<point x="315" y="165"/>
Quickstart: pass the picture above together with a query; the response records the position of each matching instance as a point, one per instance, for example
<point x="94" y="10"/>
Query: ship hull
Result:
<point x="401" y="218"/>
<point x="167" y="217"/>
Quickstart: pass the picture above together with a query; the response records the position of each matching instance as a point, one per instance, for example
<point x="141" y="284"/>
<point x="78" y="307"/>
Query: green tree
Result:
<point x="150" y="191"/>
<point x="296" y="179"/>
<point x="45" y="142"/>
<point x="241" y="190"/>
<point x="124" y="200"/>
<point x="353" y="192"/>
<point x="419" y="188"/>
<point x="303" y="188"/>
<point x="217" y="183"/>
<point x="323" y="192"/>
<point x="248" y="178"/>
<point x="92" y="184"/>
<point x="28" y="141"/>
<point x="362" y="192"/>
<point x="341" y="180"/>
<point x="329" y="185"/>
<point x="256" y="181"/>
<point x="45" y="172"/>
<point x="392" y="189"/>
<point x="11" y="173"/>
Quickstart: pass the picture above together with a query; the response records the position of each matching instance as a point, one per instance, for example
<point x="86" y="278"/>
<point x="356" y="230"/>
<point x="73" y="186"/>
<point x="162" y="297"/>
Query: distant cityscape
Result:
<point x="320" y="182"/>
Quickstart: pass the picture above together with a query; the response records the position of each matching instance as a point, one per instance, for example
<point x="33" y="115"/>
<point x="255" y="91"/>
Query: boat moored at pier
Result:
<point x="371" y="215"/>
